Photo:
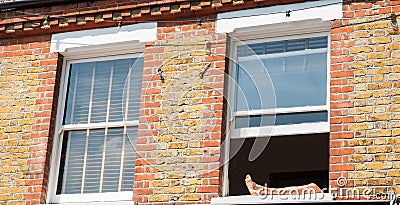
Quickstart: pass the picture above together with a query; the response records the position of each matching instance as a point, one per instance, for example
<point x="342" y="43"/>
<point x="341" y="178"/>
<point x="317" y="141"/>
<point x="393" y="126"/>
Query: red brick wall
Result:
<point x="180" y="131"/>
<point x="181" y="123"/>
<point x="28" y="76"/>
<point x="365" y="145"/>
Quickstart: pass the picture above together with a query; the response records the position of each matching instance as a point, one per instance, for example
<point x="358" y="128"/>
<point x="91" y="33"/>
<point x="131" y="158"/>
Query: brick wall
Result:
<point x="365" y="97"/>
<point x="181" y="123"/>
<point x="27" y="84"/>
<point x="180" y="129"/>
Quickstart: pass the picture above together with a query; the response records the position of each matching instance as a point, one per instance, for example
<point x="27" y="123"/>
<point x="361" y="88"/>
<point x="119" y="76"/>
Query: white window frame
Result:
<point x="78" y="55"/>
<point x="303" y="128"/>
<point x="267" y="33"/>
<point x="82" y="46"/>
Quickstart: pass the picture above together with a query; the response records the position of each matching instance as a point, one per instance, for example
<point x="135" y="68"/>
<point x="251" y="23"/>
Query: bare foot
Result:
<point x="254" y="188"/>
<point x="257" y="190"/>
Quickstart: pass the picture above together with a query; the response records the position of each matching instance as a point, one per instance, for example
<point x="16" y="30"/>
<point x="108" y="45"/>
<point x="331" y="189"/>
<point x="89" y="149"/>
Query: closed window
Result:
<point x="99" y="126"/>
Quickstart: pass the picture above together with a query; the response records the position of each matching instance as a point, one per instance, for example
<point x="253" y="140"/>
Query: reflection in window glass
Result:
<point x="293" y="79"/>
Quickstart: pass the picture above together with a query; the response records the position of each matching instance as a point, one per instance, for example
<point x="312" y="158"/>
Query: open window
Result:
<point x="278" y="124"/>
<point x="286" y="161"/>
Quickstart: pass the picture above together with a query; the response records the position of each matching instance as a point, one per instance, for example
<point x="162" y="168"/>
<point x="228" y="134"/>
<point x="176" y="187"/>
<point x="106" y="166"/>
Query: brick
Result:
<point x="379" y="182"/>
<point x="177" y="145"/>
<point x="361" y="175"/>
<point x="174" y="190"/>
<point x="364" y="49"/>
<point x="379" y="165"/>
<point x="379" y="149"/>
<point x="159" y="198"/>
<point x="378" y="25"/>
<point x="381" y="40"/>
<point x="365" y="60"/>
<point x="361" y="126"/>
<point x="190" y="197"/>
<point x="361" y="110"/>
<point x="361" y="142"/>
<point x="379" y="55"/>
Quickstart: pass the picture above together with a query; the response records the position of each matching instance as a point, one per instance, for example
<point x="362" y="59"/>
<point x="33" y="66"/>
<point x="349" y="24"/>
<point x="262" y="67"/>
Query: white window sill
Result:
<point x="273" y="199"/>
<point x="119" y="198"/>
<point x="99" y="203"/>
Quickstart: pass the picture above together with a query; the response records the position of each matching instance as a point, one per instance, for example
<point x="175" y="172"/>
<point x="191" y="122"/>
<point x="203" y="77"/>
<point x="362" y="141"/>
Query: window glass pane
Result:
<point x="135" y="86"/>
<point x="107" y="85"/>
<point x="254" y="91"/>
<point x="129" y="159"/>
<point x="101" y="91"/>
<point x="257" y="49"/>
<point x="318" y="42"/>
<point x="294" y="80"/>
<point x="275" y="65"/>
<point x="296" y="45"/>
<point x="107" y="166"/>
<point x="282" y="46"/>
<point x="300" y="89"/>
<point x="94" y="158"/>
<point x="74" y="161"/>
<point x="80" y="85"/>
<point x="275" y="47"/>
<point x="112" y="160"/>
<point x="117" y="101"/>
<point x="295" y="64"/>
<point x="316" y="62"/>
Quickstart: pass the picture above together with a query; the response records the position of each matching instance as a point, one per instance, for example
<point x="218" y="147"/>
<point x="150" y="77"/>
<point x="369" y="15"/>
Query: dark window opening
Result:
<point x="286" y="161"/>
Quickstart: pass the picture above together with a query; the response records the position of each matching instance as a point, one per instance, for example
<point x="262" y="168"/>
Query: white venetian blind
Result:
<point x="100" y="159"/>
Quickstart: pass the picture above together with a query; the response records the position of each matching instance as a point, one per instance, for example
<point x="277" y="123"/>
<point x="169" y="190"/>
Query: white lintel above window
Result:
<point x="78" y="42"/>
<point x="317" y="11"/>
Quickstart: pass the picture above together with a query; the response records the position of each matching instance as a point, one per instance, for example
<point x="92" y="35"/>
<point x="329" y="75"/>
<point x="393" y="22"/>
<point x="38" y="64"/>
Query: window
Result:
<point x="280" y="110"/>
<point x="278" y="94"/>
<point x="99" y="126"/>
<point x="281" y="82"/>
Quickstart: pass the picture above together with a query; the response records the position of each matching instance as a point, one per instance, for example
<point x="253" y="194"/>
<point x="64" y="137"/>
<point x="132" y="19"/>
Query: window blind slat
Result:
<point x="112" y="159"/>
<point x="100" y="92"/>
<point x="93" y="161"/>
<point x="74" y="167"/>
<point x="120" y="74"/>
